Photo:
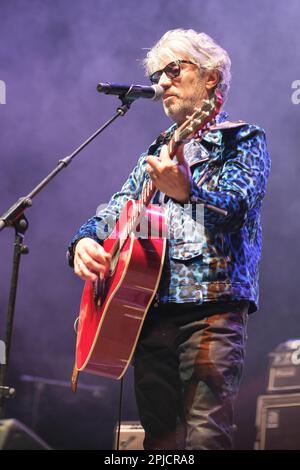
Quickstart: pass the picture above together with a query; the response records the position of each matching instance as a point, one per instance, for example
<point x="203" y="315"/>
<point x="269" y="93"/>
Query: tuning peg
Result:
<point x="196" y="121"/>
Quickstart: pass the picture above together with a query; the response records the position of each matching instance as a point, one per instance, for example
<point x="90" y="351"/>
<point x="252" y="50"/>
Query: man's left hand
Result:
<point x="171" y="178"/>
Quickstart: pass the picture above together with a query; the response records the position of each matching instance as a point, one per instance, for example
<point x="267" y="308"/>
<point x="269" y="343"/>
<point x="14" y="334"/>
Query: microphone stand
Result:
<point x="14" y="217"/>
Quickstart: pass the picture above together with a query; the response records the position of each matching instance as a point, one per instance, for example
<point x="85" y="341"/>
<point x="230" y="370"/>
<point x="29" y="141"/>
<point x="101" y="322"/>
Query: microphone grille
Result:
<point x="159" y="91"/>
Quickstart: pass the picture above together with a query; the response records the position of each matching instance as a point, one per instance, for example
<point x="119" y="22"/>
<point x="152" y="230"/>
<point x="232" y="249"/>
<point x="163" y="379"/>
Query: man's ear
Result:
<point x="212" y="79"/>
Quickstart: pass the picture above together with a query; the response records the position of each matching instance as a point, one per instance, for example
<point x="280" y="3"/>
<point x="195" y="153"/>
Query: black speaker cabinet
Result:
<point x="277" y="422"/>
<point x="16" y="436"/>
<point x="284" y="372"/>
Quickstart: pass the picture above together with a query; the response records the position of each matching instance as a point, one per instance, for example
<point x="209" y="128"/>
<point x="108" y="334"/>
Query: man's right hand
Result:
<point x="90" y="259"/>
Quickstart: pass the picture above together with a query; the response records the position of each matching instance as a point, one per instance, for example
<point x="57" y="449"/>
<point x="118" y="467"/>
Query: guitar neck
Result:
<point x="133" y="218"/>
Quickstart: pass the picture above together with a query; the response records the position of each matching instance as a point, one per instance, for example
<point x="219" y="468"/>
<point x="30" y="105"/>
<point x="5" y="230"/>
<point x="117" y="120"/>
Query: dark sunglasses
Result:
<point x="172" y="70"/>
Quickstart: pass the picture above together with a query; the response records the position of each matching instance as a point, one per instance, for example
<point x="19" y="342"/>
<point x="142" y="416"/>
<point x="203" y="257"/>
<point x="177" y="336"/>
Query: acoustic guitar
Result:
<point x="113" y="308"/>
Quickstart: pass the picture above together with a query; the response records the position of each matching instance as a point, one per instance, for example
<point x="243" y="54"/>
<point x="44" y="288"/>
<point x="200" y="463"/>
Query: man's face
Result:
<point x="183" y="93"/>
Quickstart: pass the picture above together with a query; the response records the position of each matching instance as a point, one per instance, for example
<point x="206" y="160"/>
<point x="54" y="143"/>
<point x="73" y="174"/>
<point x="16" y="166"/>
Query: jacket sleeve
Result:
<point x="242" y="182"/>
<point x="102" y="224"/>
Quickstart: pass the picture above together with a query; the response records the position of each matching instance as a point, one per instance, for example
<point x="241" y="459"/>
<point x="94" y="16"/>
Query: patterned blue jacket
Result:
<point x="230" y="167"/>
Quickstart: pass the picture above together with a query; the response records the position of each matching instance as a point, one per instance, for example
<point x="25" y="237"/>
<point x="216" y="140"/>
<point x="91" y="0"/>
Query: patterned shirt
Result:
<point x="218" y="258"/>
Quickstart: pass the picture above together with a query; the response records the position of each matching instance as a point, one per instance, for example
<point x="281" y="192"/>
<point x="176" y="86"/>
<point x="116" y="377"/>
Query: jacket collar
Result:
<point x="215" y="136"/>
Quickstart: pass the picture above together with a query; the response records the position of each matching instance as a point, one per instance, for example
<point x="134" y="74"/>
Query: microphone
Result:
<point x="132" y="92"/>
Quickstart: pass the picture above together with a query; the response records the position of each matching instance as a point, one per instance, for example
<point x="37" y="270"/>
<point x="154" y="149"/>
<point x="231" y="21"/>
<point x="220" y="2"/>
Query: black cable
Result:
<point x="120" y="413"/>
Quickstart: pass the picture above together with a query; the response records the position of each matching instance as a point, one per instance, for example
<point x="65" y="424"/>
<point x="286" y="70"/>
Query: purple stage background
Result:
<point x="52" y="55"/>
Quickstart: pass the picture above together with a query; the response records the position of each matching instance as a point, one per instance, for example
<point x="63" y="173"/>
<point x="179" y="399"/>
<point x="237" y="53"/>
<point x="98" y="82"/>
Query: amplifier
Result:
<point x="131" y="436"/>
<point x="284" y="373"/>
<point x="277" y="422"/>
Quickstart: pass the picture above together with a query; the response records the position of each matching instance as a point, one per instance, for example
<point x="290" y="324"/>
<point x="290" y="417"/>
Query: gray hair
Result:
<point x="200" y="47"/>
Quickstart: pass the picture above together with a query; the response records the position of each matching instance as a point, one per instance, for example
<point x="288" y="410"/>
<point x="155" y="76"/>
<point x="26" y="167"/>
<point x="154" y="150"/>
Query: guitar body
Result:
<point x="110" y="323"/>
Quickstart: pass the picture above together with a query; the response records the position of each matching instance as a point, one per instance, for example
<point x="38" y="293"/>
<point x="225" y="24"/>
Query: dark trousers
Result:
<point x="187" y="365"/>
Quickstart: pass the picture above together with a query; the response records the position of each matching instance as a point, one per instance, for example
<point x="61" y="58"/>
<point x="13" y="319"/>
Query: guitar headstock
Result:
<point x="199" y="119"/>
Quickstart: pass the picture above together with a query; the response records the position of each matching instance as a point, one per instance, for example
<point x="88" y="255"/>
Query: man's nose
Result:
<point x="165" y="81"/>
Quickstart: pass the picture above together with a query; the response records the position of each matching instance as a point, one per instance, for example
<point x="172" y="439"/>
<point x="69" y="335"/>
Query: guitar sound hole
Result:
<point x="98" y="288"/>
<point x="113" y="264"/>
<point x="101" y="286"/>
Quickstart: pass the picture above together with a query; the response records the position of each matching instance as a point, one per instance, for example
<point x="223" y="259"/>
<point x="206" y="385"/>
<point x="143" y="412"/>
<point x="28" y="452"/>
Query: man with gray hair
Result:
<point x="189" y="358"/>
